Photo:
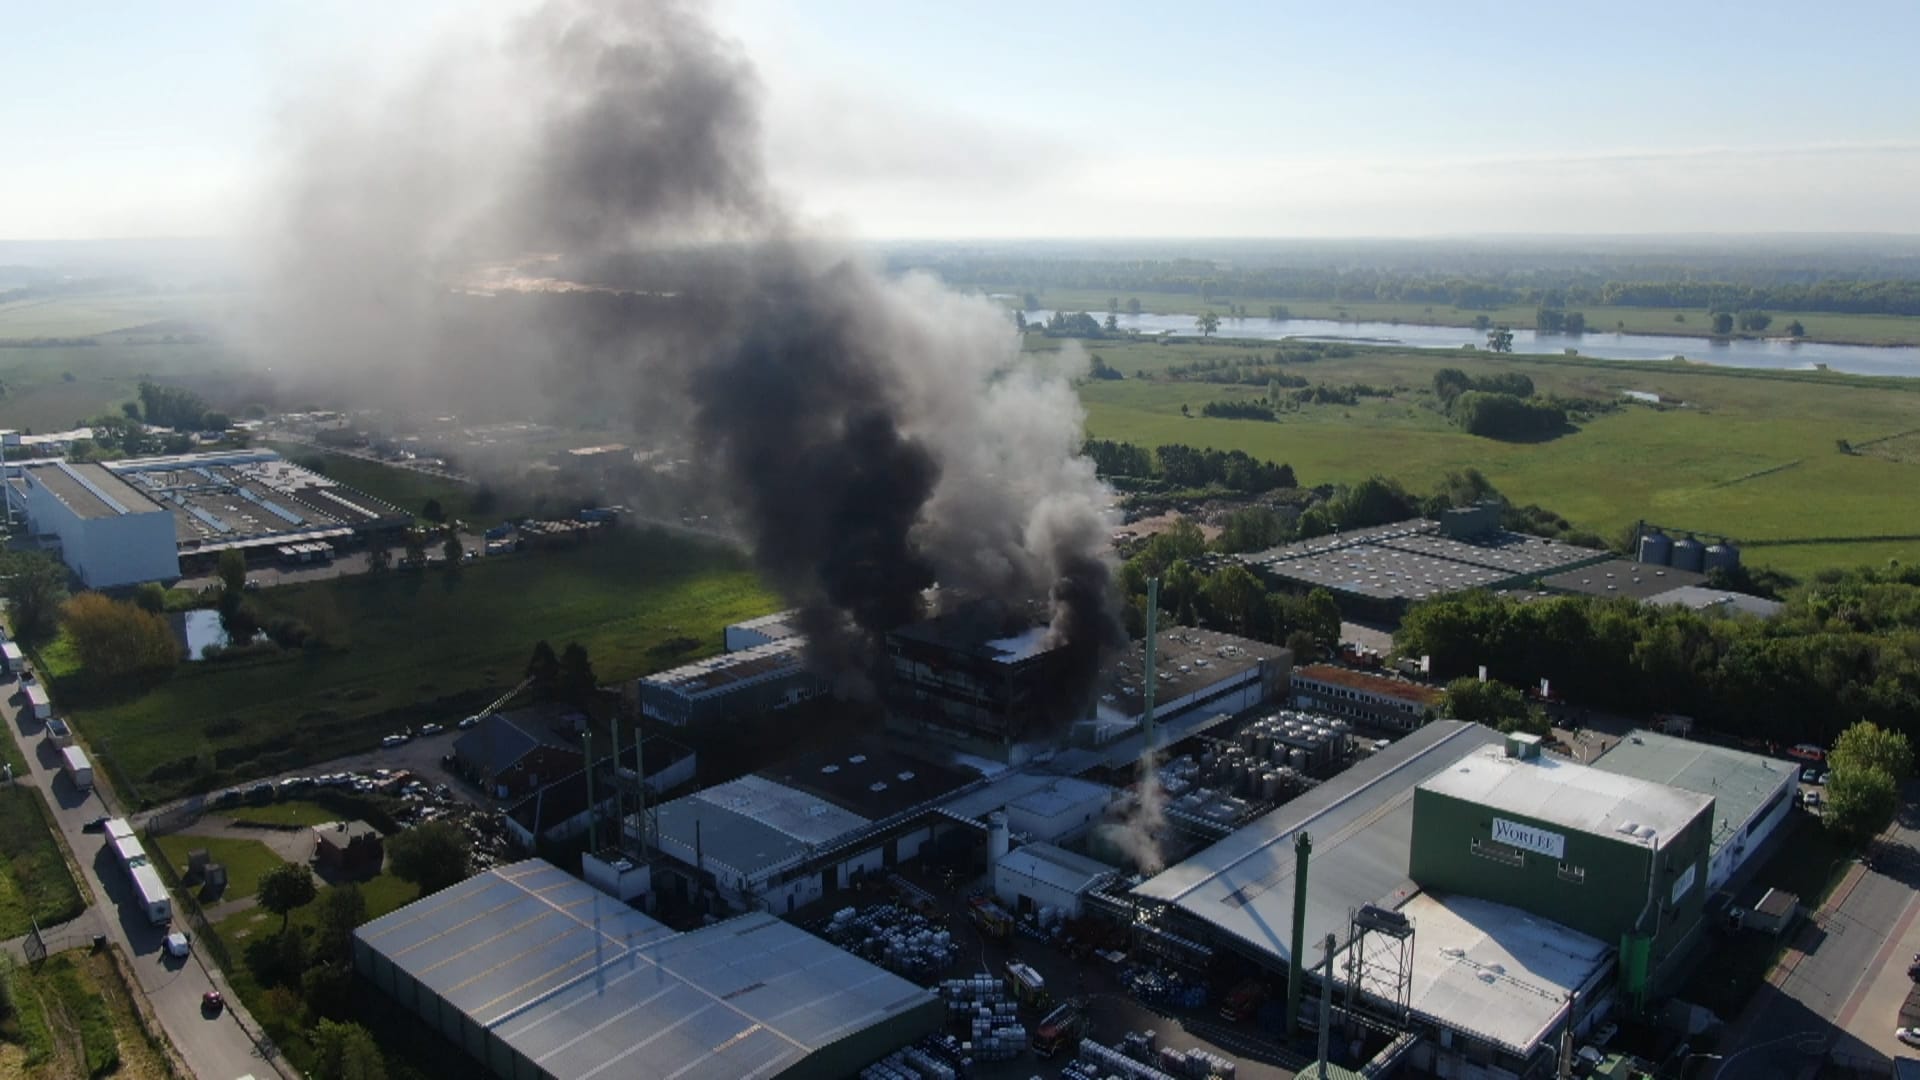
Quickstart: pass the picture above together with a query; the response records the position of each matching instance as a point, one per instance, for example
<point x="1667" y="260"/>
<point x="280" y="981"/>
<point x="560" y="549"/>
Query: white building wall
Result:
<point x="1064" y="821"/>
<point x="908" y="847"/>
<point x="122" y="549"/>
<point x="788" y="895"/>
<point x="1754" y="832"/>
<point x="867" y="862"/>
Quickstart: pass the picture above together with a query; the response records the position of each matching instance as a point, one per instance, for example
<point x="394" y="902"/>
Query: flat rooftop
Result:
<point x="869" y="778"/>
<point x="1063" y="869"/>
<point x="1494" y="970"/>
<point x="1361" y="824"/>
<point x="1510" y="552"/>
<point x="1701" y="598"/>
<point x="983" y="632"/>
<point x="1016" y="787"/>
<point x="1187" y="661"/>
<point x="1320" y="545"/>
<point x="779" y="625"/>
<point x="1740" y="783"/>
<point x="1571" y="796"/>
<point x="90" y="491"/>
<point x="1366" y="682"/>
<point x="1621" y="577"/>
<point x="1386" y="573"/>
<point x="583" y="985"/>
<point x="717" y="673"/>
<point x="228" y="499"/>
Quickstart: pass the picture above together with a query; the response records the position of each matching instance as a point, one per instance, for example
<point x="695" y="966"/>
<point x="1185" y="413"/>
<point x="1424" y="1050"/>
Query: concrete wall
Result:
<point x="1010" y="885"/>
<point x="1601" y="887"/>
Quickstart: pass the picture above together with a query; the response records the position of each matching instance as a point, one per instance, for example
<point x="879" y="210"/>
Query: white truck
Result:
<point x="38" y="703"/>
<point x="12" y="658"/>
<point x="73" y="762"/>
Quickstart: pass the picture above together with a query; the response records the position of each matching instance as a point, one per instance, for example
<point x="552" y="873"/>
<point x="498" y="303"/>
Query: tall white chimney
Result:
<point x="997" y="841"/>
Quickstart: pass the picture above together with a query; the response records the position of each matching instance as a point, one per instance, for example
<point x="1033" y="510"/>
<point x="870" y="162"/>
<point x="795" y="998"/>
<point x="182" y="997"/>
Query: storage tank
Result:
<point x="1655" y="548"/>
<point x="1722" y="556"/>
<point x="1298" y="760"/>
<point x="1270" y="786"/>
<point x="997" y="838"/>
<point x="1689" y="554"/>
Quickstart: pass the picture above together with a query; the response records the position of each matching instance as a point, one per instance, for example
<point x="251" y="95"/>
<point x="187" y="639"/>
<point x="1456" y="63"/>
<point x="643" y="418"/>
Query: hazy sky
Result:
<point x="1079" y="119"/>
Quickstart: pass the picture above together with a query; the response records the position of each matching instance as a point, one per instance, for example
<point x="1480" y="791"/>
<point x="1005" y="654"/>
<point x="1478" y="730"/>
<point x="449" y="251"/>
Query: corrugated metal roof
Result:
<point x="585" y="986"/>
<point x="1572" y="796"/>
<point x="1739" y="783"/>
<point x="1056" y="866"/>
<point x="1361" y="823"/>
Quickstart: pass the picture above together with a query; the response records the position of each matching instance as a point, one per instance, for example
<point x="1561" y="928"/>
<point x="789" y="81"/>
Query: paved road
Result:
<point x="1839" y="972"/>
<point x="215" y="1048"/>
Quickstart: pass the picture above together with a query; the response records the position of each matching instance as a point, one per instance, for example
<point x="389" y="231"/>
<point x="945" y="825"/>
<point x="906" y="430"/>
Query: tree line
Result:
<point x="1186" y="467"/>
<point x="1498" y="406"/>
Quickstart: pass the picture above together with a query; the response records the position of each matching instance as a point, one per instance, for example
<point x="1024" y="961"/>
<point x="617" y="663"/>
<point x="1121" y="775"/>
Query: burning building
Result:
<point x="990" y="680"/>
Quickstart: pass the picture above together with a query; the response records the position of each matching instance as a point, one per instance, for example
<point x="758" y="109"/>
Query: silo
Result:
<point x="1655" y="548"/>
<point x="1689" y="554"/>
<point x="1270" y="786"/>
<point x="1722" y="556"/>
<point x="1298" y="759"/>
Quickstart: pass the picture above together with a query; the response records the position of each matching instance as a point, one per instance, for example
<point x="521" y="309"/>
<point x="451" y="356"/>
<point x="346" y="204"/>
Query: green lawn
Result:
<point x="1693" y="467"/>
<point x="247" y="861"/>
<point x="34" y="880"/>
<point x="41" y="398"/>
<point x="415" y="647"/>
<point x="1821" y="326"/>
<point x="83" y="316"/>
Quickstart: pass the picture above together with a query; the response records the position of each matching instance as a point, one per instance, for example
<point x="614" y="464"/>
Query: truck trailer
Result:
<point x="73" y="762"/>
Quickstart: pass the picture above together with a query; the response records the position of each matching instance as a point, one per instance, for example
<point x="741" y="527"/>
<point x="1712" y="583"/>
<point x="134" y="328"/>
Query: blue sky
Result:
<point x="1005" y="119"/>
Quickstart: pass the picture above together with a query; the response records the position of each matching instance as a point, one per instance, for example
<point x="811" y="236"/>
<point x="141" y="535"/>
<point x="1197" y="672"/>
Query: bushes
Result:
<point x="1504" y="416"/>
<point x="1236" y="410"/>
<point x="115" y="640"/>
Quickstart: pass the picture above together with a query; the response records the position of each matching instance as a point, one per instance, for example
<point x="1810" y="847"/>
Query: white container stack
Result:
<point x="1106" y="1061"/>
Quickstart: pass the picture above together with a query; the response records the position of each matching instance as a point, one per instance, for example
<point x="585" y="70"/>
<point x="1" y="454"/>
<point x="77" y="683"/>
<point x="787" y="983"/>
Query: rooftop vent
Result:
<point x="829" y="769"/>
<point x="905" y="776"/>
<point x="857" y="759"/>
<point x="877" y="786"/>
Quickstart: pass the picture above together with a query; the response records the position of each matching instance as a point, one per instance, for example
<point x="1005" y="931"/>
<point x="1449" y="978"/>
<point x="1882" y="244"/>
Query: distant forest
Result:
<point x="1856" y="282"/>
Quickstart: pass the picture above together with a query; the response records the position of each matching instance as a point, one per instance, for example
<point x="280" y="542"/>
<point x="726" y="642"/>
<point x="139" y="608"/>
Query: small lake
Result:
<point x="201" y="630"/>
<point x="1903" y="360"/>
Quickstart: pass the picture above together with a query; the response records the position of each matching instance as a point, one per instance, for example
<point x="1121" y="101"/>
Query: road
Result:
<point x="1844" y="974"/>
<point x="215" y="1048"/>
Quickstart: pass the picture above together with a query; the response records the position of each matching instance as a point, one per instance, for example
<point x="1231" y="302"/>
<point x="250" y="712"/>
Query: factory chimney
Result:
<point x="997" y="842"/>
<point x="1151" y="672"/>
<point x="1297" y="971"/>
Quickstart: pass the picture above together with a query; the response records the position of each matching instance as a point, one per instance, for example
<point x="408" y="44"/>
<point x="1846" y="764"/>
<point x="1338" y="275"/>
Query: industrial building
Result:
<point x="1379" y="700"/>
<point x="1718" y="601"/>
<point x="1379" y="571"/>
<point x="1622" y="859"/>
<point x="731" y="686"/>
<point x="1199" y="674"/>
<point x="559" y="811"/>
<point x="1479" y="896"/>
<point x="538" y="976"/>
<point x="1619" y="577"/>
<point x="765" y="630"/>
<point x="786" y="837"/>
<point x="1038" y="876"/>
<point x="1752" y="793"/>
<point x="145" y="519"/>
<point x="987" y="678"/>
<point x="1038" y="806"/>
<point x="1654" y="547"/>
<point x="515" y="753"/>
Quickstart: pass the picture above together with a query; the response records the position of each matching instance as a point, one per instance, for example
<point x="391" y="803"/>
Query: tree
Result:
<point x="1113" y="305"/>
<point x="1575" y="323"/>
<point x="115" y="639"/>
<point x="577" y="681"/>
<point x="1755" y="321"/>
<point x="1323" y="617"/>
<point x="1236" y="598"/>
<point x="1866" y="745"/>
<point x="233" y="571"/>
<point x="432" y="856"/>
<point x="433" y="511"/>
<point x="151" y="596"/>
<point x="35" y="590"/>
<point x="1482" y="322"/>
<point x="1030" y="302"/>
<point x="416" y="548"/>
<point x="1796" y="329"/>
<point x="1492" y="703"/>
<point x="452" y="549"/>
<point x="1113" y="323"/>
<point x="130" y="409"/>
<point x="379" y="555"/>
<point x="344" y="1051"/>
<point x="1133" y="305"/>
<point x="543" y="669"/>
<point x="1500" y="339"/>
<point x="1208" y="322"/>
<point x="340" y="910"/>
<point x="216" y="421"/>
<point x="1723" y="322"/>
<point x="286" y="887"/>
<point x="1860" y="802"/>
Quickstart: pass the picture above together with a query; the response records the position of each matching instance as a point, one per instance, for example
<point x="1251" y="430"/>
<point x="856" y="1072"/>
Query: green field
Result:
<point x="247" y="861"/>
<point x="1821" y="326"/>
<point x="34" y="880"/>
<point x="94" y="315"/>
<point x="414" y="647"/>
<point x="1751" y="455"/>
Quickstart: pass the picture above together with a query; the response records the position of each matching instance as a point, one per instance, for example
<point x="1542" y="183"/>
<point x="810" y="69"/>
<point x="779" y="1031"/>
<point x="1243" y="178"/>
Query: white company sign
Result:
<point x="1528" y="838"/>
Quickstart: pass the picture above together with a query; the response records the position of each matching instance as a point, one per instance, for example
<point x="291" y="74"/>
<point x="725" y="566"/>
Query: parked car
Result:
<point x="178" y="945"/>
<point x="431" y="729"/>
<point x="1908" y="1035"/>
<point x="471" y="721"/>
<point x="1809" y="775"/>
<point x="394" y="740"/>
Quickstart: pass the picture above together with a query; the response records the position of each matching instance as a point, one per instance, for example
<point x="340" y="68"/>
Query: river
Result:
<point x="1775" y="354"/>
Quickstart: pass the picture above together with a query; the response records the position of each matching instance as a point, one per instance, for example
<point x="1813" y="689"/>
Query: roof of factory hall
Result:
<point x="1621" y="577"/>
<point x="1320" y="545"/>
<point x="1571" y="796"/>
<point x="777" y="626"/>
<point x="1509" y="552"/>
<point x="582" y="985"/>
<point x="717" y="674"/>
<point x="237" y="498"/>
<point x="1494" y="971"/>
<point x="1186" y="660"/>
<point x="1381" y="685"/>
<point x="1722" y="601"/>
<point x="1739" y="783"/>
<point x="1038" y="793"/>
<point x="1056" y="866"/>
<point x="869" y="778"/>
<point x="984" y="631"/>
<point x="1386" y="573"/>
<point x="89" y="490"/>
<point x="1361" y="823"/>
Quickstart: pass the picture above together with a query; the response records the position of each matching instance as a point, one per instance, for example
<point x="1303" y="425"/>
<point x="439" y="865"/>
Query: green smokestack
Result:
<point x="1296" y="970"/>
<point x="1153" y="629"/>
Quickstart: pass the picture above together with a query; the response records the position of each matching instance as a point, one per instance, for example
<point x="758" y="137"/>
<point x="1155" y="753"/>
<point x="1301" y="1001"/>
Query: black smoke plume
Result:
<point x="576" y="215"/>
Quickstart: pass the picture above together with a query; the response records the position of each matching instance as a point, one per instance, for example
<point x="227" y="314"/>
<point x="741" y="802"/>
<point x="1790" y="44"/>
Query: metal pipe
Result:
<point x="1326" y="1009"/>
<point x="593" y="819"/>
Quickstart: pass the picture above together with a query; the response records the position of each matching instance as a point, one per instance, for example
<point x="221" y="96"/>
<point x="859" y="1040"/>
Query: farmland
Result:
<point x="1843" y="329"/>
<point x="1752" y="455"/>
<point x="409" y="648"/>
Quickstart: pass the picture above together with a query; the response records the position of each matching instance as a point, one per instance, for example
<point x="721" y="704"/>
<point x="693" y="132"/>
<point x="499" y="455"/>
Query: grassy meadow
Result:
<point x="1821" y="325"/>
<point x="35" y="883"/>
<point x="1750" y="455"/>
<point x="409" y="648"/>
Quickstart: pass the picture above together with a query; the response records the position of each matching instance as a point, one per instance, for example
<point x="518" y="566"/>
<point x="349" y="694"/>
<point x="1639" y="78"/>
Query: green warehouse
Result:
<point x="1621" y="859"/>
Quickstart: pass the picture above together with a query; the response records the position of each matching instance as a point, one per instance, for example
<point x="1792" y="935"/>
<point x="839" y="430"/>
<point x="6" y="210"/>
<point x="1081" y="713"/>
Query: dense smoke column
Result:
<point x="1087" y="628"/>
